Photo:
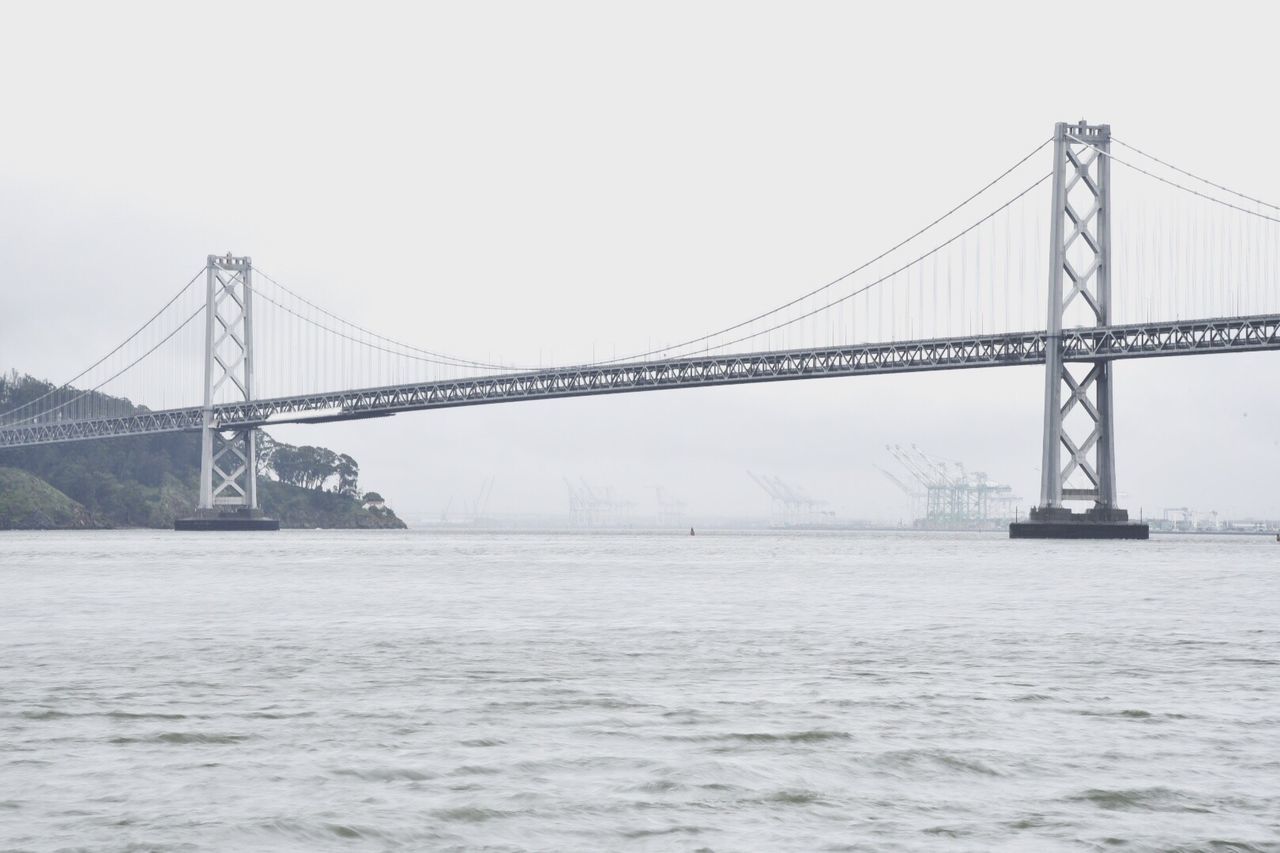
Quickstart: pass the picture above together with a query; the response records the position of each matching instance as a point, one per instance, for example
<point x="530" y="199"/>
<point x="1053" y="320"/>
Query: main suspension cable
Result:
<point x="127" y="340"/>
<point x="1172" y="183"/>
<point x="428" y="357"/>
<point x="453" y="361"/>
<point x="887" y="276"/>
<point x="838" y="279"/>
<point x="1194" y="176"/>
<point x="115" y="375"/>
<point x="789" y="322"/>
<point x="441" y="358"/>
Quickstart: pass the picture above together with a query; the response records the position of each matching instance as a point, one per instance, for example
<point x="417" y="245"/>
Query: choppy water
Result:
<point x="423" y="691"/>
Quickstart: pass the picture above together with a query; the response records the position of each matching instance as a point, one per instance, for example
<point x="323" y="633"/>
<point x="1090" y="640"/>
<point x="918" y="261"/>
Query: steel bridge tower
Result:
<point x="1078" y="410"/>
<point x="228" y="458"/>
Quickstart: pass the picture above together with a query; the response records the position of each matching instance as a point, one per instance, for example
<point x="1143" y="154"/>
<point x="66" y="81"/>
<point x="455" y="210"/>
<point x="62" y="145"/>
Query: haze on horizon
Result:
<point x="541" y="182"/>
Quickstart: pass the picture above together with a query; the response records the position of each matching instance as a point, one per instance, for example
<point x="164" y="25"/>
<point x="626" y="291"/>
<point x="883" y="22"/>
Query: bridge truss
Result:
<point x="1085" y="345"/>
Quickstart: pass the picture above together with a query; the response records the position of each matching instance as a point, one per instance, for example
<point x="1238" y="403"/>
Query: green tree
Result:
<point x="348" y="476"/>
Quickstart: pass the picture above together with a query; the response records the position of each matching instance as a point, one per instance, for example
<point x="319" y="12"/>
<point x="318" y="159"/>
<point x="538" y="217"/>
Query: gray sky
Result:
<point x="524" y="179"/>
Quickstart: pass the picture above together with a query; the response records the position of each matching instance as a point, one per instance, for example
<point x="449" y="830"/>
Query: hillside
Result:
<point x="29" y="503"/>
<point x="309" y="509"/>
<point x="148" y="481"/>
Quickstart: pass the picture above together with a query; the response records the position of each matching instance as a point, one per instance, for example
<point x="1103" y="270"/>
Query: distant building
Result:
<point x="373" y="500"/>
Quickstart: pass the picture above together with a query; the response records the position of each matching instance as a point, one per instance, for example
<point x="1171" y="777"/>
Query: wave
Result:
<point x="184" y="738"/>
<point x="1157" y="799"/>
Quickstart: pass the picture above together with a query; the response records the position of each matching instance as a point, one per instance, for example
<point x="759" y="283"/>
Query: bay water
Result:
<point x="564" y="691"/>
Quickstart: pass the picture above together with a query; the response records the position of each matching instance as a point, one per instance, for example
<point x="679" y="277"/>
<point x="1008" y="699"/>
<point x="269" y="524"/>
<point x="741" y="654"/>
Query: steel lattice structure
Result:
<point x="1141" y="340"/>
<point x="228" y="456"/>
<point x="1080" y="256"/>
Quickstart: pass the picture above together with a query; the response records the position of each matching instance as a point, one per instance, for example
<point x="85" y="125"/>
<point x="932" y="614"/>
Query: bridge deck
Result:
<point x="1141" y="340"/>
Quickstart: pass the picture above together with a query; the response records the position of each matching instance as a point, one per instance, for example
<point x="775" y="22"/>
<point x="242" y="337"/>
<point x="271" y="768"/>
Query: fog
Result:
<point x="545" y="181"/>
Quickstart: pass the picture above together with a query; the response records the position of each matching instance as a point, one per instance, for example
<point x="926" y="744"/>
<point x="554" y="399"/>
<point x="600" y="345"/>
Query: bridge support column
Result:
<point x="228" y="458"/>
<point x="1078" y="415"/>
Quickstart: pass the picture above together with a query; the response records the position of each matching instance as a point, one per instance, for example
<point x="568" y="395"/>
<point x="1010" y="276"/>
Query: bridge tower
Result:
<point x="228" y="458"/>
<point x="1078" y="411"/>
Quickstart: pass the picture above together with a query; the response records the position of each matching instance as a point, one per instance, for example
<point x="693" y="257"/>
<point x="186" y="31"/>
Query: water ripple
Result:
<point x="485" y="691"/>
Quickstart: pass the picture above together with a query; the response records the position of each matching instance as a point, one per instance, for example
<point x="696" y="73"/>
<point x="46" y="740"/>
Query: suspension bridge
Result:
<point x="1036" y="267"/>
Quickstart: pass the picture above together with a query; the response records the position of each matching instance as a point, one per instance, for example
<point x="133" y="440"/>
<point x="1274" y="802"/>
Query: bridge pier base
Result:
<point x="1058" y="522"/>
<point x="240" y="518"/>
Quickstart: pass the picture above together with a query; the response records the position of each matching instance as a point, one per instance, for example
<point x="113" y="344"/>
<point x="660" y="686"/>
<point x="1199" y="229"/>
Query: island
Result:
<point x="150" y="480"/>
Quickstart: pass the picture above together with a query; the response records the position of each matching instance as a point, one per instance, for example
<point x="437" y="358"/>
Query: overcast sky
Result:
<point x="544" y="178"/>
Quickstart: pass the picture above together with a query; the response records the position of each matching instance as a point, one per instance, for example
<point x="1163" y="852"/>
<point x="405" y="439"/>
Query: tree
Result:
<point x="310" y="467"/>
<point x="317" y="465"/>
<point x="286" y="462"/>
<point x="348" y="476"/>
